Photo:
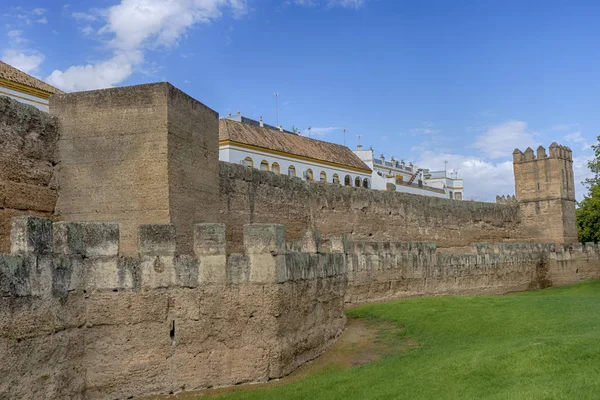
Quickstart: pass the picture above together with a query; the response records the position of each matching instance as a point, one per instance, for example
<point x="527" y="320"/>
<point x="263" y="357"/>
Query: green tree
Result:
<point x="588" y="211"/>
<point x="294" y="129"/>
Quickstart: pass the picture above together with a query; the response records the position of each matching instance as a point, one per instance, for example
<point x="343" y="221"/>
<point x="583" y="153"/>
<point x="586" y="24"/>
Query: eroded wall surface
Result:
<point x="387" y="271"/>
<point x="78" y="321"/>
<point x="249" y="195"/>
<point x="27" y="164"/>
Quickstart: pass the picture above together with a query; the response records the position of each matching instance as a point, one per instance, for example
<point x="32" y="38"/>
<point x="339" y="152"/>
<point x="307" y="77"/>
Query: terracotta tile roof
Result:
<point x="273" y="139"/>
<point x="10" y="73"/>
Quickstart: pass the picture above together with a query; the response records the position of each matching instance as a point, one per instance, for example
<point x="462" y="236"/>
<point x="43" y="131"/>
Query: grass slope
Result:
<point x="534" y="345"/>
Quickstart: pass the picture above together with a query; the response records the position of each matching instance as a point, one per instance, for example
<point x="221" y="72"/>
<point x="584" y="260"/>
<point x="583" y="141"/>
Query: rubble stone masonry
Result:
<point x="79" y="322"/>
<point x="28" y="158"/>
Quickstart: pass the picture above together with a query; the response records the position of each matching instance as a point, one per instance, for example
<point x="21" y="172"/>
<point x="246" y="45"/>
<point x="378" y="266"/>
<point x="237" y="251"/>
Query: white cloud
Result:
<point x="500" y="140"/>
<point x="27" y="61"/>
<point x="353" y="4"/>
<point x="15" y="37"/>
<point x="134" y="26"/>
<point x="84" y="17"/>
<point x="100" y="75"/>
<point x="87" y="30"/>
<point x="575" y="138"/>
<point x="350" y="4"/>
<point x="483" y="180"/>
<point x="38" y="11"/>
<point x="301" y="3"/>
<point x="42" y="20"/>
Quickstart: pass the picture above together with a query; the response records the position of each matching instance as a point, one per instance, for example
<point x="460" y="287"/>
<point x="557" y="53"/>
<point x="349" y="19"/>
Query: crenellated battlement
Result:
<point x="545" y="191"/>
<point x="556" y="151"/>
<point x="508" y="199"/>
<point x="41" y="250"/>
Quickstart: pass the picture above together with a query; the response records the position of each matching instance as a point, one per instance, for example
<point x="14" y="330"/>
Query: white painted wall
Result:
<point x="38" y="102"/>
<point x="380" y="182"/>
<point x="233" y="154"/>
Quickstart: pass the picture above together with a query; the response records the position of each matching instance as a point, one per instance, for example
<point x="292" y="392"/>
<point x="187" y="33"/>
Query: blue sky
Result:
<point x="425" y="81"/>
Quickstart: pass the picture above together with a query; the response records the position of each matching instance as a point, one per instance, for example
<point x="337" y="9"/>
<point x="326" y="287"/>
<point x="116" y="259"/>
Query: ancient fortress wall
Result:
<point x="27" y="164"/>
<point x="545" y="190"/>
<point x="387" y="271"/>
<point x="78" y="321"/>
<point x="137" y="155"/>
<point x="169" y="272"/>
<point x="249" y="195"/>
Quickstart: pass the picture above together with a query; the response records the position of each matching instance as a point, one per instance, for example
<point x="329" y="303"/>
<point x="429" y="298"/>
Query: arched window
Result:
<point x="309" y="175"/>
<point x="357" y="181"/>
<point x="366" y="184"/>
<point x="264" y="165"/>
<point x="323" y="177"/>
<point x="275" y="168"/>
<point x="292" y="171"/>
<point x="248" y="162"/>
<point x="347" y="180"/>
<point x="336" y="178"/>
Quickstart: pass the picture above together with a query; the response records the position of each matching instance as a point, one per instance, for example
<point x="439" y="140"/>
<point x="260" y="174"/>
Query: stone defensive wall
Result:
<point x="388" y="271"/>
<point x="249" y="195"/>
<point x="149" y="154"/>
<point x="78" y="321"/>
<point x="148" y="266"/>
<point x="28" y="158"/>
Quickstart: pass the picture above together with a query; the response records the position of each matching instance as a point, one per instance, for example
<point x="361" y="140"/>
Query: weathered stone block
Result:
<point x="338" y="244"/>
<point x="311" y="242"/>
<point x="156" y="240"/>
<point x="31" y="235"/>
<point x="210" y="246"/>
<point x="263" y="238"/>
<point x="89" y="239"/>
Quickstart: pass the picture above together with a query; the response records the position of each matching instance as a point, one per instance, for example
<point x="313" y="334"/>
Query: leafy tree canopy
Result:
<point x="588" y="213"/>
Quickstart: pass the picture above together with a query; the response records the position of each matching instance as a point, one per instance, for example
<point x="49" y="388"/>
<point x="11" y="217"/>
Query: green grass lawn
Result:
<point x="534" y="345"/>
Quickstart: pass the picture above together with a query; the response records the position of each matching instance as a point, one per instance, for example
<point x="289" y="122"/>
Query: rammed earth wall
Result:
<point x="77" y="321"/>
<point x="28" y="139"/>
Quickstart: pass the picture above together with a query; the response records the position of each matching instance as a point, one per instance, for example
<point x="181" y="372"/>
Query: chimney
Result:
<point x="280" y="128"/>
<point x="229" y="115"/>
<point x="261" y="123"/>
<point x="382" y="157"/>
<point x="359" y="147"/>
<point x="238" y="113"/>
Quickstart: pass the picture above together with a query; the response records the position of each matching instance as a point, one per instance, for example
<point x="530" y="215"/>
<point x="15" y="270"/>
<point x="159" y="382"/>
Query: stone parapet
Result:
<point x="159" y="322"/>
<point x="387" y="271"/>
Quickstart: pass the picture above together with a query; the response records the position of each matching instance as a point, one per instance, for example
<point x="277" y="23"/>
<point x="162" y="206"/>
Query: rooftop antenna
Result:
<point x="276" y="107"/>
<point x="445" y="168"/>
<point x="309" y="128"/>
<point x="344" y="136"/>
<point x="358" y="136"/>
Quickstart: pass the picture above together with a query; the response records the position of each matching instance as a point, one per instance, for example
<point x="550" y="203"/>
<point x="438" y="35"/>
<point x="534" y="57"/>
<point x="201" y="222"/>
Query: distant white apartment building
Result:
<point x="258" y="145"/>
<point x="409" y="178"/>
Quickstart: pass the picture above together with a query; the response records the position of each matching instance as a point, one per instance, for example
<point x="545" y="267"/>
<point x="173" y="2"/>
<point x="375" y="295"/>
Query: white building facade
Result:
<point x="25" y="88"/>
<point x="409" y="178"/>
<point x="281" y="152"/>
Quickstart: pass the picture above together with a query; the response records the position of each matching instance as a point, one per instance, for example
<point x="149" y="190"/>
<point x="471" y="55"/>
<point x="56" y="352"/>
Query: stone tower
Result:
<point x="544" y="187"/>
<point x="145" y="154"/>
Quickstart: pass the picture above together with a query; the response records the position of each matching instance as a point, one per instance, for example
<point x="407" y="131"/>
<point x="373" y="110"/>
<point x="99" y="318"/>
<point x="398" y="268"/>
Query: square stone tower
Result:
<point x="137" y="155"/>
<point x="545" y="190"/>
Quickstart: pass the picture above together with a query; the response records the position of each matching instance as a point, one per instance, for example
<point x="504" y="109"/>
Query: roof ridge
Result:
<point x="282" y="142"/>
<point x="13" y="74"/>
